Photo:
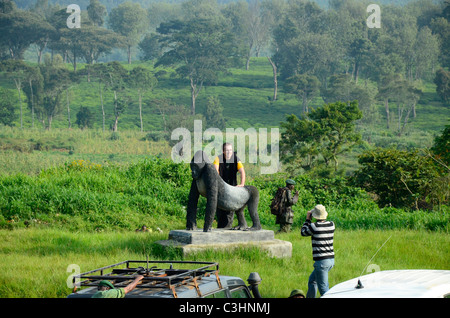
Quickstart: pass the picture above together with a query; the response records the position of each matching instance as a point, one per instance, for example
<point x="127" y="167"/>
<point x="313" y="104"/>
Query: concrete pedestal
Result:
<point x="219" y="239"/>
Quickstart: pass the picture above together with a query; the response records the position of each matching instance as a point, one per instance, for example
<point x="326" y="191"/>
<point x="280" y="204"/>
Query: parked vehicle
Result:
<point x="192" y="280"/>
<point x="395" y="284"/>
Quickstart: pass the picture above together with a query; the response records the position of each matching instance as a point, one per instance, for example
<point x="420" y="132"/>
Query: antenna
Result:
<point x="360" y="285"/>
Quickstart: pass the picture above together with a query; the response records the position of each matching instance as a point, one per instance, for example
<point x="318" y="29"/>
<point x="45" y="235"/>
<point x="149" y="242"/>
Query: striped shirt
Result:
<point x="322" y="234"/>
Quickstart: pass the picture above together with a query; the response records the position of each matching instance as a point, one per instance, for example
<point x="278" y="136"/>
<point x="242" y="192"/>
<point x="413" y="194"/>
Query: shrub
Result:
<point x="402" y="179"/>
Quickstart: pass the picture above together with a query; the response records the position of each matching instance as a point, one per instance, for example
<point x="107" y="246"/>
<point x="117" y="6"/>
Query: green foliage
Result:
<point x="7" y="109"/>
<point x="398" y="178"/>
<point x="441" y="147"/>
<point x="199" y="48"/>
<point x="304" y="86"/>
<point x="84" y="118"/>
<point x="327" y="131"/>
<point x="128" y="19"/>
<point x="213" y="114"/>
<point x="101" y="197"/>
<point x="442" y="81"/>
<point x="86" y="196"/>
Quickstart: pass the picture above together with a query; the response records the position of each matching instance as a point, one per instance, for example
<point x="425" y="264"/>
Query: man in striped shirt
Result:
<point x="322" y="234"/>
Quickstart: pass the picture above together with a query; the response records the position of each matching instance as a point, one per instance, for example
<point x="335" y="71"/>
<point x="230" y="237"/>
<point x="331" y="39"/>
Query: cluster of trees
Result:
<point x="416" y="179"/>
<point x="327" y="132"/>
<point x="47" y="88"/>
<point x="329" y="54"/>
<point x="316" y="51"/>
<point x="412" y="179"/>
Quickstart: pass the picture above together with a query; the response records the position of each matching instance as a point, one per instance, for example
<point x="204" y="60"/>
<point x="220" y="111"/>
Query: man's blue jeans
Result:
<point x="319" y="277"/>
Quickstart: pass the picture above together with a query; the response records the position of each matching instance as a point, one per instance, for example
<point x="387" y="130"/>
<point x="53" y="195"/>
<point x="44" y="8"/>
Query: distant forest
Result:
<point x="315" y="48"/>
<point x="109" y="4"/>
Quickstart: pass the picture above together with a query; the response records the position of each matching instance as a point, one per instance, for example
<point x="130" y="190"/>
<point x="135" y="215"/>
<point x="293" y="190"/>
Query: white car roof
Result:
<point x="420" y="283"/>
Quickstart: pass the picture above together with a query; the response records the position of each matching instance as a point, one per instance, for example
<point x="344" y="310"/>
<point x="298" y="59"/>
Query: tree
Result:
<point x="407" y="98"/>
<point x="213" y="113"/>
<point x="304" y="86"/>
<point x="150" y="47"/>
<point x="275" y="78"/>
<point x="88" y="42"/>
<point x="7" y="108"/>
<point x="337" y="123"/>
<point x="249" y="25"/>
<point x="342" y="88"/>
<point x="142" y="79"/>
<point x="302" y="46"/>
<point x="426" y="52"/>
<point x="441" y="28"/>
<point x="97" y="12"/>
<point x="199" y="48"/>
<point x="20" y="29"/>
<point x="45" y="10"/>
<point x="358" y="51"/>
<point x="84" y="118"/>
<point x="128" y="19"/>
<point x="300" y="143"/>
<point x="6" y="6"/>
<point x="442" y="81"/>
<point x="383" y="62"/>
<point x="117" y="77"/>
<point x="97" y="41"/>
<point x="401" y="27"/>
<point x="327" y="131"/>
<point x="441" y="146"/>
<point x="388" y="90"/>
<point x="17" y="70"/>
<point x="33" y="90"/>
<point x="199" y="9"/>
<point x="100" y="72"/>
<point x="404" y="93"/>
<point x="56" y="80"/>
<point x="272" y="11"/>
<point x="403" y="179"/>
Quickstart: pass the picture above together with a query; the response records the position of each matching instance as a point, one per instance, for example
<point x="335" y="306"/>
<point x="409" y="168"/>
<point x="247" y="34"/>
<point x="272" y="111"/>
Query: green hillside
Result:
<point x="246" y="99"/>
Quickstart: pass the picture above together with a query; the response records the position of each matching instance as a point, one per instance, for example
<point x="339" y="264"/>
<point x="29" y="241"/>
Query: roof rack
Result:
<point x="124" y="273"/>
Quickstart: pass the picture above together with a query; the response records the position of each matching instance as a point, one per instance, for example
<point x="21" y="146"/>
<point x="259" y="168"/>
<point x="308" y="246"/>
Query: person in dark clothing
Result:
<point x="286" y="216"/>
<point x="228" y="165"/>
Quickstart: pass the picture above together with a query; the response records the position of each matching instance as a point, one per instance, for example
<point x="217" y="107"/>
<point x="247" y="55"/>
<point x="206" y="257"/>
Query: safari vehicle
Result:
<point x="163" y="280"/>
<point x="418" y="283"/>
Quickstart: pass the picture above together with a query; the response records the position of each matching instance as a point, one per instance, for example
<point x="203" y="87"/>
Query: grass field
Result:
<point x="35" y="262"/>
<point x="58" y="209"/>
<point x="86" y="214"/>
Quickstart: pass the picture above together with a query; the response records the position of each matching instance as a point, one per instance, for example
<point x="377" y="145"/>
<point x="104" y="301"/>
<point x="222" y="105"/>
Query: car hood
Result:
<point x="395" y="284"/>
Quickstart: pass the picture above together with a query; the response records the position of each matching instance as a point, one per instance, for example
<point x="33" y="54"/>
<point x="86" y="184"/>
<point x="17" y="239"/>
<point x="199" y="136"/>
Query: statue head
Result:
<point x="198" y="162"/>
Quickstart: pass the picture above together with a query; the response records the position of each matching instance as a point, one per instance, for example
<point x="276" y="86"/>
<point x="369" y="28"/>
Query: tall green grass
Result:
<point x="84" y="195"/>
<point x="35" y="262"/>
<point x="29" y="151"/>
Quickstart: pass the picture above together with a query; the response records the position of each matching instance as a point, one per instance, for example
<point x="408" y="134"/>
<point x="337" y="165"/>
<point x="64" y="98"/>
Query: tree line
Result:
<point x="47" y="88"/>
<point x="317" y="53"/>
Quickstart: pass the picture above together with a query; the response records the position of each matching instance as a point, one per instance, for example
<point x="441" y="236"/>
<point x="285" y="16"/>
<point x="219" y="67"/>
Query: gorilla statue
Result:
<point x="207" y="182"/>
